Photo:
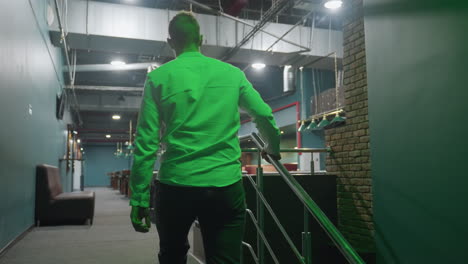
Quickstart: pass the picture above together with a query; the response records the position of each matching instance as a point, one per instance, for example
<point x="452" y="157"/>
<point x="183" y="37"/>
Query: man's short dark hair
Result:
<point x="184" y="28"/>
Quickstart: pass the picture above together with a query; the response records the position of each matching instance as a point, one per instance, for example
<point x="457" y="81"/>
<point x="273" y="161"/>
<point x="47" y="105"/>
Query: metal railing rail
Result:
<point x="252" y="252"/>
<point x="262" y="235"/>
<point x="309" y="204"/>
<point x="275" y="218"/>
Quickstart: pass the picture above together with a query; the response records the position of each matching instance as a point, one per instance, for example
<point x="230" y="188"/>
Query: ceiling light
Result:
<point x="116" y="117"/>
<point x="108" y="136"/>
<point x="333" y="4"/>
<point x="282" y="132"/>
<point x="81" y="149"/>
<point x="78" y="140"/>
<point x="74" y="132"/>
<point x="117" y="63"/>
<point x="258" y="66"/>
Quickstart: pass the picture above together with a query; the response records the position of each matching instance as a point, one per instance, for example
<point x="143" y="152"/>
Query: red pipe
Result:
<point x="298" y="118"/>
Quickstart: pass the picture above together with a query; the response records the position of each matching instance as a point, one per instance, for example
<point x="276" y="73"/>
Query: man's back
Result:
<point x="198" y="99"/>
<point x="193" y="103"/>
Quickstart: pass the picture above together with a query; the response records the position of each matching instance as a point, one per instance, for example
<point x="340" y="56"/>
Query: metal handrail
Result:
<point x="338" y="239"/>
<point x="262" y="235"/>
<point x="275" y="218"/>
<point x="252" y="252"/>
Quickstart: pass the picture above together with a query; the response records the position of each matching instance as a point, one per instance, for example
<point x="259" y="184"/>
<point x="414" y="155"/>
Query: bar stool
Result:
<point x="126" y="174"/>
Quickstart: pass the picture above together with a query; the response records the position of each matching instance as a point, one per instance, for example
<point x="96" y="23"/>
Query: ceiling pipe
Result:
<point x="65" y="47"/>
<point x="277" y="8"/>
<point x="219" y="13"/>
<point x="105" y="88"/>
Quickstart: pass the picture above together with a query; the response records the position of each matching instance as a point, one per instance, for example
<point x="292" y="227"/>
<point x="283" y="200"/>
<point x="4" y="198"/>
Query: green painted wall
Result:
<point x="99" y="161"/>
<point x="27" y="76"/>
<point x="417" y="60"/>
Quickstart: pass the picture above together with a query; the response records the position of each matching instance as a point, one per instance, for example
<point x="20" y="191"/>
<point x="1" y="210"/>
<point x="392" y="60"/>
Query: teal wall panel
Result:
<point x="99" y="161"/>
<point x="30" y="74"/>
<point x="417" y="59"/>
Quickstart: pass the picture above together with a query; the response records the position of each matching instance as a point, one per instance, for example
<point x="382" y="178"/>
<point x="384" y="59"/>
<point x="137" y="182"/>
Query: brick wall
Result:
<point x="350" y="142"/>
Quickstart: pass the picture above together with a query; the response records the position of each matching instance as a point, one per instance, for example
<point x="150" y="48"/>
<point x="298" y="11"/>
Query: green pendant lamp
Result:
<point x="323" y="123"/>
<point x="302" y="127"/>
<point x="312" y="126"/>
<point x="337" y="120"/>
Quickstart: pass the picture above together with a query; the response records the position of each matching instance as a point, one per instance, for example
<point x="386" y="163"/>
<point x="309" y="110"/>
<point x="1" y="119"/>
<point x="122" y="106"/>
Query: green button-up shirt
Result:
<point x="191" y="105"/>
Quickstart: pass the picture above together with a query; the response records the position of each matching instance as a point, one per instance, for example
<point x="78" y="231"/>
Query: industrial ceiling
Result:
<point x="96" y="36"/>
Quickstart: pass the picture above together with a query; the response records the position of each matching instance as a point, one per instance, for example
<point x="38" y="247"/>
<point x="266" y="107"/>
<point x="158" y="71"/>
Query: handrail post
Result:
<point x="306" y="239"/>
<point x="312" y="165"/>
<point x="306" y="235"/>
<point x="260" y="211"/>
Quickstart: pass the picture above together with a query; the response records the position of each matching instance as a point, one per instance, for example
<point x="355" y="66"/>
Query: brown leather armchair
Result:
<point x="53" y="205"/>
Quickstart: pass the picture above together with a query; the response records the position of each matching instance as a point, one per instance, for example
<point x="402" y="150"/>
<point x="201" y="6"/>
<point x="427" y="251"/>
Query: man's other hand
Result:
<point x="137" y="215"/>
<point x="275" y="157"/>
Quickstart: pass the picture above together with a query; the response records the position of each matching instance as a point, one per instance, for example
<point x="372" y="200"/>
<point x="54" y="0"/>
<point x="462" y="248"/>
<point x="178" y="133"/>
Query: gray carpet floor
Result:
<point x="111" y="239"/>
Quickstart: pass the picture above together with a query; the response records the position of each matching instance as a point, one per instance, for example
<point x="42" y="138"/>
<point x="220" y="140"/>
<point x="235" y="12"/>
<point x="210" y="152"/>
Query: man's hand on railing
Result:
<point x="274" y="156"/>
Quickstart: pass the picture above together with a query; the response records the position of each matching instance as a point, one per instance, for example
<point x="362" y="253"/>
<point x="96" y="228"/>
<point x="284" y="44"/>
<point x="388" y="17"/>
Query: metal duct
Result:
<point x="289" y="79"/>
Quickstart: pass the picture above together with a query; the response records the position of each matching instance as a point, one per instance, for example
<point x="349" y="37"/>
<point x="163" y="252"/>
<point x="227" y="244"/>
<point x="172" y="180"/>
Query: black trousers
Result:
<point x="220" y="212"/>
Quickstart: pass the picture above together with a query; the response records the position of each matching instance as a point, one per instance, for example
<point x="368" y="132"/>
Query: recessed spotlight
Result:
<point x="74" y="132"/>
<point x="81" y="149"/>
<point x="282" y="132"/>
<point x="116" y="117"/>
<point x="108" y="136"/>
<point x="118" y="63"/>
<point x="333" y="4"/>
<point x="258" y="66"/>
<point x="78" y="140"/>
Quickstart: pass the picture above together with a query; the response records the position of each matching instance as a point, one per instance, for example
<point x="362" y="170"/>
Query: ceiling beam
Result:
<point x="110" y="67"/>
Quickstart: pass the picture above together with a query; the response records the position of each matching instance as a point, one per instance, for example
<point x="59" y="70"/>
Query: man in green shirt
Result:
<point x="191" y="106"/>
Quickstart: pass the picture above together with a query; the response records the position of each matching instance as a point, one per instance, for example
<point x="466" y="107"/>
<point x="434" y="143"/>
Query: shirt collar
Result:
<point x="190" y="54"/>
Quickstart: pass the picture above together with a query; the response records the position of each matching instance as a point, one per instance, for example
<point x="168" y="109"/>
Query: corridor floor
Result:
<point x="111" y="239"/>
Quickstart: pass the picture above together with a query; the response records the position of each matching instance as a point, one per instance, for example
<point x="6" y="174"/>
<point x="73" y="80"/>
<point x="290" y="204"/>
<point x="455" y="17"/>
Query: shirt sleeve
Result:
<point x="146" y="146"/>
<point x="251" y="101"/>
